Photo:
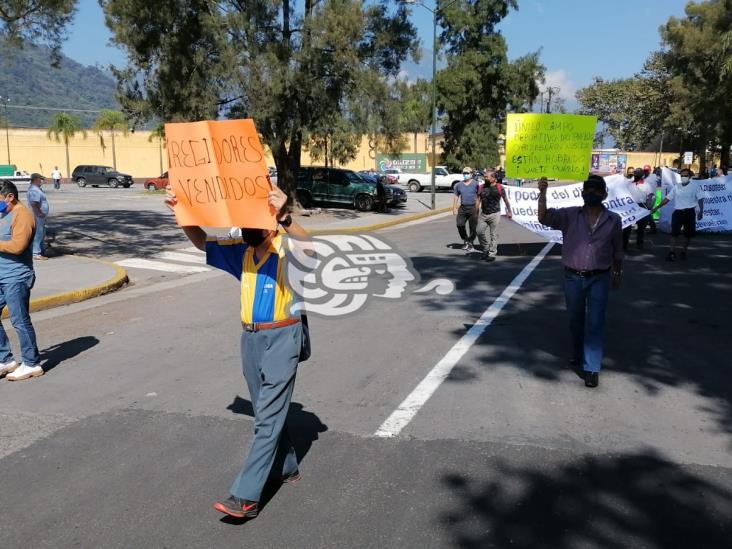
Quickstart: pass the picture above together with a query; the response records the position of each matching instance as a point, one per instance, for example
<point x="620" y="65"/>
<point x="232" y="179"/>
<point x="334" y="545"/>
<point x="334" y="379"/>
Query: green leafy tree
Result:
<point x="36" y="21"/>
<point x="416" y="107"/>
<point x="63" y="129"/>
<point x="479" y="84"/>
<point x="698" y="55"/>
<point x="300" y="70"/>
<point x="112" y="122"/>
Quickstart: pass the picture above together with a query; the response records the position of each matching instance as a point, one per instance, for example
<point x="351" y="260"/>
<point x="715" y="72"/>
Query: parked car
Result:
<point x="100" y="175"/>
<point x="156" y="183"/>
<point x="443" y="180"/>
<point x="395" y="195"/>
<point x="316" y="184"/>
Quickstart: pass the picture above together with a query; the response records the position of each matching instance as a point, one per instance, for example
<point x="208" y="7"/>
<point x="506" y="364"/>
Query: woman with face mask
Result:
<point x="687" y="195"/>
<point x="592" y="255"/>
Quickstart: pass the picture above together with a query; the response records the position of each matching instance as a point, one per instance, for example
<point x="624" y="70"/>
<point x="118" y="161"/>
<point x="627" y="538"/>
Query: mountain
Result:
<point x="27" y="78"/>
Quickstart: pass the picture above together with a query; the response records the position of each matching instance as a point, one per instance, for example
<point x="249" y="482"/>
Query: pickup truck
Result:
<point x="415" y="182"/>
<point x="10" y="172"/>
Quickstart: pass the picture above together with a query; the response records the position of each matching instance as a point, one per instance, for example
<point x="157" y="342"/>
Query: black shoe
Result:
<point x="237" y="507"/>
<point x="592" y="379"/>
<point x="466" y="246"/>
<point x="489" y="258"/>
<point x="671" y="256"/>
<point x="682" y="255"/>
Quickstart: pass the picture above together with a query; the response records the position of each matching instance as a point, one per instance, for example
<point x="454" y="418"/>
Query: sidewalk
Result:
<point x="69" y="279"/>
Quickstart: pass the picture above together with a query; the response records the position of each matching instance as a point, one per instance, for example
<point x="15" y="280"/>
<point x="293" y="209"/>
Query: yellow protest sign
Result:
<point x="551" y="145"/>
<point x="219" y="175"/>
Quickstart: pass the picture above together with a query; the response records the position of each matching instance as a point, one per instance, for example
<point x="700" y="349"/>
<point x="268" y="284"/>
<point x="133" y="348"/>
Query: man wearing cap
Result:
<point x="271" y="345"/>
<point x="465" y="207"/>
<point x="38" y="204"/>
<point x="592" y="255"/>
<point x="642" y="190"/>
<point x="16" y="281"/>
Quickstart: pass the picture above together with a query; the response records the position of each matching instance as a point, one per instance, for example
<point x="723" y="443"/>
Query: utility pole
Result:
<point x="5" y="101"/>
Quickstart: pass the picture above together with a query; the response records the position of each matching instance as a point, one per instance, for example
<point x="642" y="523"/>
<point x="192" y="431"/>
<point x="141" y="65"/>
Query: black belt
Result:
<point x="586" y="274"/>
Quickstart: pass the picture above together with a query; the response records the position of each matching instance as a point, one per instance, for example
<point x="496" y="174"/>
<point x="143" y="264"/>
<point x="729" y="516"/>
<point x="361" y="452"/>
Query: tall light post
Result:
<point x="435" y="48"/>
<point x="5" y="101"/>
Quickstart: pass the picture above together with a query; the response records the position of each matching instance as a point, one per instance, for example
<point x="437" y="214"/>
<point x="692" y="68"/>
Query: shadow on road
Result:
<point x="635" y="500"/>
<point x="114" y="232"/>
<point x="56" y="354"/>
<point x="666" y="327"/>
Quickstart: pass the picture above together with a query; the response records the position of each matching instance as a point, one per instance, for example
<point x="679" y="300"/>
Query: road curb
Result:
<point x="74" y="296"/>
<point x="384" y="225"/>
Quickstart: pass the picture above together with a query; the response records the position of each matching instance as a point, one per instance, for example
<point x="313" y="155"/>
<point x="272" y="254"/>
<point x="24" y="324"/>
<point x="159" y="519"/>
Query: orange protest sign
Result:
<point x="218" y="173"/>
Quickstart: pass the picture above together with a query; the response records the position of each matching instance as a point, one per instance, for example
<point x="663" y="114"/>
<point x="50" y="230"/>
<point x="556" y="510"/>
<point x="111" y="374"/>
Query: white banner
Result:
<point x="525" y="209"/>
<point x="717" y="203"/>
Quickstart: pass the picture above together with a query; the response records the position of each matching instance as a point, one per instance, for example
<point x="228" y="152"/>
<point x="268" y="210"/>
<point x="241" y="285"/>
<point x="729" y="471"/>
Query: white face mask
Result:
<point x="685" y="180"/>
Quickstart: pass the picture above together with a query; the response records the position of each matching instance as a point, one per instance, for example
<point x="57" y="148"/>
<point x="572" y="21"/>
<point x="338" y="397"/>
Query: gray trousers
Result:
<point x="489" y="223"/>
<point x="269" y="359"/>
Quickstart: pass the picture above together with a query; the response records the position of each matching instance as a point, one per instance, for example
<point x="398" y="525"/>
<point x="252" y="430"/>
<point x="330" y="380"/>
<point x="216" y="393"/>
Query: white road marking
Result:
<point x="418" y="221"/>
<point x="406" y="411"/>
<point x="193" y="250"/>
<point x="182" y="257"/>
<point x="149" y="264"/>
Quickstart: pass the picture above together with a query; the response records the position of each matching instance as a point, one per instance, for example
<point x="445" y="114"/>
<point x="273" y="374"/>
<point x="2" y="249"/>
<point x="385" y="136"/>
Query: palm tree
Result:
<point x="65" y="126"/>
<point x="110" y="121"/>
<point x="158" y="133"/>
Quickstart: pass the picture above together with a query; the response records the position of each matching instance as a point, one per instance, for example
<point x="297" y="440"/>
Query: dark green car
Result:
<point x="318" y="185"/>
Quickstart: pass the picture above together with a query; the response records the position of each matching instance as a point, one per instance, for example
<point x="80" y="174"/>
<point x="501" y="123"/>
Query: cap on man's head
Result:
<point x="595" y="182"/>
<point x="35" y="176"/>
<point x="468" y="169"/>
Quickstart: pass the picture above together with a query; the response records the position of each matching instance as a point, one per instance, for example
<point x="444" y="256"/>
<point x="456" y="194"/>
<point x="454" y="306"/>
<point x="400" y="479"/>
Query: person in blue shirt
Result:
<point x="465" y="207"/>
<point x="38" y="204"/>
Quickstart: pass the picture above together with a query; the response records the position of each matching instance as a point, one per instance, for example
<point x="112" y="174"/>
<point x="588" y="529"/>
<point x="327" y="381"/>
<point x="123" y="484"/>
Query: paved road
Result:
<point x="143" y="417"/>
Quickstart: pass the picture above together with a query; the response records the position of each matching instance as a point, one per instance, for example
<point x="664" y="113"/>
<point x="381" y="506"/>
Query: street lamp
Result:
<point x="435" y="47"/>
<point x="5" y="101"/>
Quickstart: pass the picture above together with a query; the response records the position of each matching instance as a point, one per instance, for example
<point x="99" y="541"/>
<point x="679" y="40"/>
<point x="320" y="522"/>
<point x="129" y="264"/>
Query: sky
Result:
<point x="578" y="39"/>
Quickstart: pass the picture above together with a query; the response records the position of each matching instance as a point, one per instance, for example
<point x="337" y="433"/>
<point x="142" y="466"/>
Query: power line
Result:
<point x="50" y="109"/>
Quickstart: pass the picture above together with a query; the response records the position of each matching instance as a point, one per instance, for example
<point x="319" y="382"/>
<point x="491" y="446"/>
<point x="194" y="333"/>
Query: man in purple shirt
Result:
<point x="592" y="255"/>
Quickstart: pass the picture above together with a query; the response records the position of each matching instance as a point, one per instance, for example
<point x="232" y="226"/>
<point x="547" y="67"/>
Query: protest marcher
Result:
<point x="687" y="195"/>
<point x="713" y="171"/>
<point x="272" y="341"/>
<point x="39" y="206"/>
<point x="16" y="281"/>
<point x="56" y="177"/>
<point x="464" y="206"/>
<point x="381" y="205"/>
<point x="629" y="172"/>
<point x="643" y="193"/>
<point x="489" y="214"/>
<point x="592" y="255"/>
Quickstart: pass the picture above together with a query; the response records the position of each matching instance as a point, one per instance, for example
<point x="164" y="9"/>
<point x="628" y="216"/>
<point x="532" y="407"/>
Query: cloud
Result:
<point x="560" y="79"/>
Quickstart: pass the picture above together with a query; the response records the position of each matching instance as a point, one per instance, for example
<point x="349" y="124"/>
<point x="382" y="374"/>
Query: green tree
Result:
<point x="63" y="128"/>
<point x="112" y="122"/>
<point x="479" y="84"/>
<point x="698" y="55"/>
<point x="36" y="21"/>
<point x="291" y="67"/>
<point x="416" y="107"/>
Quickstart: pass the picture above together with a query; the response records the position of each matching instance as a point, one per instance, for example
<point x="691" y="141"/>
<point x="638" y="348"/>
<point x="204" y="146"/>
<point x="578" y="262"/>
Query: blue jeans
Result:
<point x="39" y="246"/>
<point x="586" y="302"/>
<point x="16" y="295"/>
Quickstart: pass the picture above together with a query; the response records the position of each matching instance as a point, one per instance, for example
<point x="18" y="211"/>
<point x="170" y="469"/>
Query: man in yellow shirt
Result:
<point x="271" y="343"/>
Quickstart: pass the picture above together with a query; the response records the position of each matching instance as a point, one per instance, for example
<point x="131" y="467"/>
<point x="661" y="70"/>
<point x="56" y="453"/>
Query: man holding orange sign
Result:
<point x="273" y="340"/>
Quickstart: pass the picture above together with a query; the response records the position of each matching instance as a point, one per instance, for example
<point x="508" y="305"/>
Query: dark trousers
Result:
<point x="586" y="302"/>
<point x="469" y="215"/>
<point x="641" y="224"/>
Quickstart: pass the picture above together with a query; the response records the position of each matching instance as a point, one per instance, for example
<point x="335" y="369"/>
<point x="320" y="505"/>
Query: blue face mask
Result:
<point x="466" y="176"/>
<point x="592" y="200"/>
<point x="3" y="206"/>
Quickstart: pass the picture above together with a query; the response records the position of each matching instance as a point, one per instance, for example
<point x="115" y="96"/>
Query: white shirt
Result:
<point x="685" y="196"/>
<point x="55" y="174"/>
<point x="641" y="190"/>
